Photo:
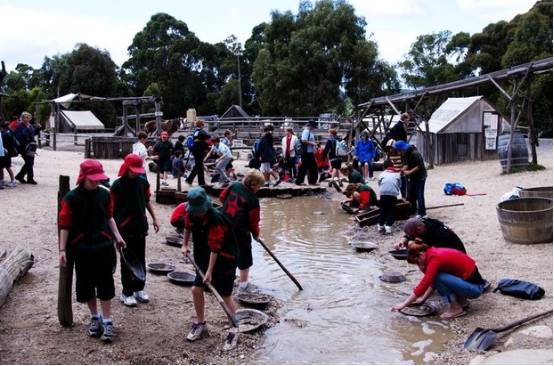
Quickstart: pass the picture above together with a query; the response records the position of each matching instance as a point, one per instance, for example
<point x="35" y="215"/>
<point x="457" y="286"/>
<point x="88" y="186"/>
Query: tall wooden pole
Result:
<point x="65" y="309"/>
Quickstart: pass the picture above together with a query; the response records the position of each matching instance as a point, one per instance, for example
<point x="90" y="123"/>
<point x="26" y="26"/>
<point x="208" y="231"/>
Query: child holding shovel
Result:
<point x="86" y="224"/>
<point x="215" y="253"/>
<point x="131" y="199"/>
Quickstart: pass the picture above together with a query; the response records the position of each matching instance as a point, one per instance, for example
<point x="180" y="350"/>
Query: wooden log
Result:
<point x="65" y="309"/>
<point x="13" y="265"/>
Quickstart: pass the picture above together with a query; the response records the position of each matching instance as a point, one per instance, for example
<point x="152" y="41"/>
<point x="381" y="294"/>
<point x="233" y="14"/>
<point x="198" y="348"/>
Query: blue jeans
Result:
<point x="450" y="287"/>
<point x="416" y="195"/>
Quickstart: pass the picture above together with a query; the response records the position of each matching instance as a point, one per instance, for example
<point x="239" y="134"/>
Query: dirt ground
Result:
<point x="153" y="333"/>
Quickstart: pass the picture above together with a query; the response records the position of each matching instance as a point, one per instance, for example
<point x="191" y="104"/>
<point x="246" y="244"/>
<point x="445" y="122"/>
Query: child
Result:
<point x="86" y="223"/>
<point x="389" y="189"/>
<point x="360" y="196"/>
<point x="322" y="162"/>
<point x="242" y="207"/>
<point x="225" y="157"/>
<point x="163" y="151"/>
<point x="131" y="198"/>
<point x="178" y="166"/>
<point x="353" y="175"/>
<point x="215" y="252"/>
<point x="10" y="148"/>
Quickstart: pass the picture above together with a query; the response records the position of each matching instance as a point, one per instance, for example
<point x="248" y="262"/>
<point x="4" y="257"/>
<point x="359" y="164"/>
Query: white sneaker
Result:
<point x="380" y="229"/>
<point x="129" y="301"/>
<point x="165" y="184"/>
<point x="197" y="331"/>
<point x="142" y="296"/>
<point x="231" y="341"/>
<point x="11" y="184"/>
<point x="388" y="230"/>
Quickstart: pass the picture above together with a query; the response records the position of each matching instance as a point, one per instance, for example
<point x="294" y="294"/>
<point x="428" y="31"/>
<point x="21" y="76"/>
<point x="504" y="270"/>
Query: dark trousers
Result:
<point x="135" y="248"/>
<point x="290" y="167"/>
<point x="416" y="195"/>
<point x="198" y="169"/>
<point x="404" y="187"/>
<point x="308" y="166"/>
<point x="386" y="215"/>
<point x="27" y="168"/>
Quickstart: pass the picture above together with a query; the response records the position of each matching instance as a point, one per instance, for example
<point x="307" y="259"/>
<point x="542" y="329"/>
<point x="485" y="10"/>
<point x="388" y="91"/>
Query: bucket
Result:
<point x="520" y="154"/>
<point x="526" y="220"/>
<point x="537" y="192"/>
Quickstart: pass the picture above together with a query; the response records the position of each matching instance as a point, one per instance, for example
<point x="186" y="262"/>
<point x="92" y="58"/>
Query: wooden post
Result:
<point x="158" y="114"/>
<point x="56" y="124"/>
<point x="65" y="310"/>
<point x="532" y="134"/>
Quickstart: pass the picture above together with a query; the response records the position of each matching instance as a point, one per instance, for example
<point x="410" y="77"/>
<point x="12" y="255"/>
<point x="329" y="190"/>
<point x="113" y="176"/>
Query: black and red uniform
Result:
<point x="212" y="232"/>
<point x="130" y="197"/>
<point x="85" y="214"/>
<point x="242" y="207"/>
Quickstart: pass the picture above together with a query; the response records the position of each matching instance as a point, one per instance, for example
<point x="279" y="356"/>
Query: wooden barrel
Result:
<point x="526" y="220"/>
<point x="537" y="192"/>
<point x="520" y="154"/>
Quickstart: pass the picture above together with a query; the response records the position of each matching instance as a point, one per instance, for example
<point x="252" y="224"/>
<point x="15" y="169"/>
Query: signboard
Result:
<point x="490" y="127"/>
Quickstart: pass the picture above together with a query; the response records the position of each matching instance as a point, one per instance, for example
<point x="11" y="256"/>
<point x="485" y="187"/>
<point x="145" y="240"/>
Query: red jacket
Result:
<point x="445" y="260"/>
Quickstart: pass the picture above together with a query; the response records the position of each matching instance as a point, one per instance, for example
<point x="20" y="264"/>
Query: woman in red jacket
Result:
<point x="452" y="273"/>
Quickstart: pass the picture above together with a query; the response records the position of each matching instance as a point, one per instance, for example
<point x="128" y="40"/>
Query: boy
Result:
<point x="225" y="157"/>
<point x="130" y="195"/>
<point x="389" y="189"/>
<point x="177" y="165"/>
<point x="242" y="208"/>
<point x="360" y="196"/>
<point x="86" y="223"/>
<point x="353" y="175"/>
<point x="215" y="252"/>
<point x="163" y="151"/>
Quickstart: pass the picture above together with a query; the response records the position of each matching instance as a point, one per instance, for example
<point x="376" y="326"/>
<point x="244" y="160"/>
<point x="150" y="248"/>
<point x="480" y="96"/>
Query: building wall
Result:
<point x="455" y="147"/>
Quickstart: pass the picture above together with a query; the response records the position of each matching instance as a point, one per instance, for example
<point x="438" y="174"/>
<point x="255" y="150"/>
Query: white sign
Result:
<point x="158" y="114"/>
<point x="490" y="143"/>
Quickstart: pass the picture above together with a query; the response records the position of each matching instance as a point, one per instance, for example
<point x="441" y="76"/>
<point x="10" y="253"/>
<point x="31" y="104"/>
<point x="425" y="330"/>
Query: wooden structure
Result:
<point x="65" y="280"/>
<point x="526" y="220"/>
<point x="518" y="76"/>
<point x="109" y="147"/>
<point x="461" y="129"/>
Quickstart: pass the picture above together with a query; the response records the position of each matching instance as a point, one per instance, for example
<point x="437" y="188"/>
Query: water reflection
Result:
<point x="342" y="316"/>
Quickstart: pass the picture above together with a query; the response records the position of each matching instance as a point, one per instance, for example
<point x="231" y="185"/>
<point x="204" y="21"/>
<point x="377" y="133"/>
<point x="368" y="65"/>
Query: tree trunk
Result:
<point x="532" y="134"/>
<point x="13" y="265"/>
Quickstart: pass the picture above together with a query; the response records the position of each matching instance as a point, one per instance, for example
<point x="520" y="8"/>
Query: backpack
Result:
<point x="298" y="148"/>
<point x="520" y="289"/>
<point x="456" y="189"/>
<point x="341" y="148"/>
<point x="256" y="148"/>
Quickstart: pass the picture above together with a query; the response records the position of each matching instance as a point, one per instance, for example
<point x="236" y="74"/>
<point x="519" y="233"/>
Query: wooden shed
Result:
<point x="462" y="129"/>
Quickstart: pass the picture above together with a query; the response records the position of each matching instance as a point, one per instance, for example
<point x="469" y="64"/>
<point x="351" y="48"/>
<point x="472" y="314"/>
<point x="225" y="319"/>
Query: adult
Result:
<point x="452" y="273"/>
<point x="225" y="156"/>
<point x="365" y="152"/>
<point x="330" y="152"/>
<point x="433" y="232"/>
<point x="399" y="130"/>
<point x="199" y="150"/>
<point x="288" y="146"/>
<point x="266" y="154"/>
<point x="242" y="207"/>
<point x="308" y="164"/>
<point x="416" y="173"/>
<point x="25" y="135"/>
<point x="10" y="148"/>
<point x="130" y="195"/>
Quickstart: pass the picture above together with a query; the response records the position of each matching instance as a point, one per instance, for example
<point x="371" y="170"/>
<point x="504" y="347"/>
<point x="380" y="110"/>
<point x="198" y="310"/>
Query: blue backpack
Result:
<point x="190" y="140"/>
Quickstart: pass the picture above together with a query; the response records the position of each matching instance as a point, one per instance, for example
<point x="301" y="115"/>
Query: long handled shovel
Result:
<point x="280" y="264"/>
<point x="483" y="339"/>
<point x="230" y="315"/>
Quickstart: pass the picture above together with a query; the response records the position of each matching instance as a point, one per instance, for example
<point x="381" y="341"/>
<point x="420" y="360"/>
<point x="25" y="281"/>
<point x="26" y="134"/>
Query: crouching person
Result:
<point x="215" y="252"/>
<point x="87" y="226"/>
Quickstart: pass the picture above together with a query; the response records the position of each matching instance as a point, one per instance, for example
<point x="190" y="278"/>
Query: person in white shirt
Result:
<point x="288" y="144"/>
<point x="225" y="157"/>
<point x="389" y="189"/>
<point x="139" y="148"/>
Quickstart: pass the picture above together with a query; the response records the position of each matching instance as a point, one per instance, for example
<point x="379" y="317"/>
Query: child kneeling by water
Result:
<point x="215" y="252"/>
<point x="389" y="189"/>
<point x="360" y="196"/>
<point x="86" y="223"/>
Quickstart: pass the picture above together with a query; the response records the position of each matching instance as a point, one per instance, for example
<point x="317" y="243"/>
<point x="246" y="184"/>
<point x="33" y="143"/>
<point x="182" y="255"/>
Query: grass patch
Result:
<point x="529" y="168"/>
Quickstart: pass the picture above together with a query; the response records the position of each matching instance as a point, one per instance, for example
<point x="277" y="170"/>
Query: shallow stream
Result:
<point x="343" y="315"/>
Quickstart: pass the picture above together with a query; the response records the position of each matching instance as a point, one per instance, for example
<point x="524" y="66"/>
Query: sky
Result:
<point x="31" y="30"/>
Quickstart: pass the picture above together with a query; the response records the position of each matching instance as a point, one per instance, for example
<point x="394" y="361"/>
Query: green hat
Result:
<point x="198" y="201"/>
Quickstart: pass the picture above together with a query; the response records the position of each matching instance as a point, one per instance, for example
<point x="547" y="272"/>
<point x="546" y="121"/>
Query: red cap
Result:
<point x="91" y="169"/>
<point x="133" y="163"/>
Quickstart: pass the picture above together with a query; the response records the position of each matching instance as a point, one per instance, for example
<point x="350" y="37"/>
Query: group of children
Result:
<point x="92" y="218"/>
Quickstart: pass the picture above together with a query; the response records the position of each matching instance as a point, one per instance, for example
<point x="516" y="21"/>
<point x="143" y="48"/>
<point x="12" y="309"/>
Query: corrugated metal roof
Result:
<point x="451" y="109"/>
<point x="82" y="120"/>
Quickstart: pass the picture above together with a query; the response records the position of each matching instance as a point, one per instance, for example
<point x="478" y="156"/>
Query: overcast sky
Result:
<point x="31" y="30"/>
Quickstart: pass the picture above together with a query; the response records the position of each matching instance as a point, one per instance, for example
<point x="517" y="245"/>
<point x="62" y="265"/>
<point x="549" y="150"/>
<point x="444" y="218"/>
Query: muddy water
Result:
<point x="343" y="315"/>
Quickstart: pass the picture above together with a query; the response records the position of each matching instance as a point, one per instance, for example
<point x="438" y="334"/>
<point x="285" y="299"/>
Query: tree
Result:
<point x="309" y="62"/>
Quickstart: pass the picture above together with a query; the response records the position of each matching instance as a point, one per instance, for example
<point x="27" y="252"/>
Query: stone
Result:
<point x="537" y="331"/>
<point x="520" y="357"/>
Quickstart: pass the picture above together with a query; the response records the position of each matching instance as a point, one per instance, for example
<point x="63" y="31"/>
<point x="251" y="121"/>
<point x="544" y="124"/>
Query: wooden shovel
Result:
<point x="218" y="297"/>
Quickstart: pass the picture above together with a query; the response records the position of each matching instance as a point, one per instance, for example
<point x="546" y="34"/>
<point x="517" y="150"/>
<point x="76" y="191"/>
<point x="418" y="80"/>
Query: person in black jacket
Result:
<point x="398" y="131"/>
<point x="416" y="173"/>
<point x="199" y="151"/>
<point x="433" y="232"/>
<point x="266" y="153"/>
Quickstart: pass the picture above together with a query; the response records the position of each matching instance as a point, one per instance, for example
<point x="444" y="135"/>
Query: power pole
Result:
<point x="240" y="89"/>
